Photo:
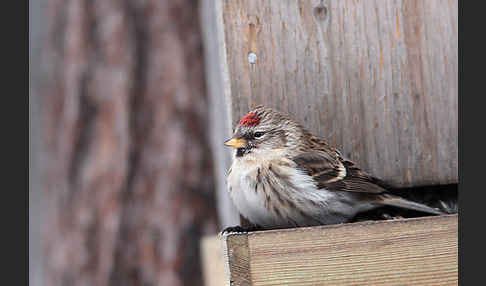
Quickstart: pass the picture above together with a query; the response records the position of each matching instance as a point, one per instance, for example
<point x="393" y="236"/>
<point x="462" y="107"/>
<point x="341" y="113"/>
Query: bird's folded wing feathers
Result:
<point x="336" y="174"/>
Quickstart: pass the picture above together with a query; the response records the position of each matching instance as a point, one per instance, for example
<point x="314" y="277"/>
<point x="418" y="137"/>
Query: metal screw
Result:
<point x="252" y="57"/>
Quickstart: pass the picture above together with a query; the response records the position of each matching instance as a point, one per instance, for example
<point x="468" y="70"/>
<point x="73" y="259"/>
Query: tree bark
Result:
<point x="129" y="177"/>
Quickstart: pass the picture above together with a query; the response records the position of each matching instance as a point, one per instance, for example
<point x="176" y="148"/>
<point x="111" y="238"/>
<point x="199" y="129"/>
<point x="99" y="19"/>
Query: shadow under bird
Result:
<point x="283" y="176"/>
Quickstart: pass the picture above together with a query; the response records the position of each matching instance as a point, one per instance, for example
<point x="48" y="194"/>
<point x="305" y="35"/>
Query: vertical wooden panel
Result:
<point x="213" y="266"/>
<point x="377" y="79"/>
<point x="219" y="124"/>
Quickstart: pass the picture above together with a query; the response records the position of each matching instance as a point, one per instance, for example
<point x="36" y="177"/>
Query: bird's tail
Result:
<point x="390" y="200"/>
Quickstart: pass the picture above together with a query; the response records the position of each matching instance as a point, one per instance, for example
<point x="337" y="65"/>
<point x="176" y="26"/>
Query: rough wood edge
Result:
<point x="355" y="224"/>
<point x="237" y="258"/>
<point x="225" y="75"/>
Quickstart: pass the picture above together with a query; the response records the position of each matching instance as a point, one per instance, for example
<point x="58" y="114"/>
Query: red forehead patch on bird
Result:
<point x="250" y="119"/>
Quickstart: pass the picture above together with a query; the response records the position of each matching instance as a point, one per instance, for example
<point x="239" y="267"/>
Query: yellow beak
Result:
<point x="236" y="143"/>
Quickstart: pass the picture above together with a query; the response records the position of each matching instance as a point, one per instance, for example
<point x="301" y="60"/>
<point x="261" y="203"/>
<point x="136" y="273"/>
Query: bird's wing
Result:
<point x="334" y="173"/>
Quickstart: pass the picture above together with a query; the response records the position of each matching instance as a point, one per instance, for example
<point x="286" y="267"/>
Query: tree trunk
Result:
<point x="129" y="178"/>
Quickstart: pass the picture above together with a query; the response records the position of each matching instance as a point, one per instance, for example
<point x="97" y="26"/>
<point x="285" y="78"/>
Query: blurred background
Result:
<point x="121" y="173"/>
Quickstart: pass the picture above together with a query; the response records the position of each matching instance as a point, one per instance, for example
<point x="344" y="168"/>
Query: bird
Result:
<point x="283" y="176"/>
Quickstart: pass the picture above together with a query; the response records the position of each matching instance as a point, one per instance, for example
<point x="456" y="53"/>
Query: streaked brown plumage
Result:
<point x="283" y="176"/>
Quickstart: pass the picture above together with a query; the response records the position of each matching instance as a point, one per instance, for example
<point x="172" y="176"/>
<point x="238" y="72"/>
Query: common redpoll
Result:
<point x="283" y="176"/>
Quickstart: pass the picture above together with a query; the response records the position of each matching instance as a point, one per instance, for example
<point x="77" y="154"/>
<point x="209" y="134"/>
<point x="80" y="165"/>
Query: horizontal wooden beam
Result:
<point x="417" y="251"/>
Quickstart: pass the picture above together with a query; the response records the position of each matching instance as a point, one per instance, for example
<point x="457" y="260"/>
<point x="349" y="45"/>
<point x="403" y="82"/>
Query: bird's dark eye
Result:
<point x="258" y="134"/>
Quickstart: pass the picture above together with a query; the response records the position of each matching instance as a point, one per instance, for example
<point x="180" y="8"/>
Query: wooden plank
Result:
<point x="377" y="79"/>
<point x="219" y="124"/>
<point x="238" y="259"/>
<point x="213" y="267"/>
<point x="418" y="251"/>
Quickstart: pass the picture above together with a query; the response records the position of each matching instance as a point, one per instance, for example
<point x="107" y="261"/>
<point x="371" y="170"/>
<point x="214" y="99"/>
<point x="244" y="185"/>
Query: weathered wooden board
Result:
<point x="215" y="271"/>
<point x="418" y="251"/>
<point x="220" y="126"/>
<point x="378" y="79"/>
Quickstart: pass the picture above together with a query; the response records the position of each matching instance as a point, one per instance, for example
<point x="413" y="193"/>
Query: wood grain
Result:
<point x="237" y="256"/>
<point x="377" y="79"/>
<point x="419" y="251"/>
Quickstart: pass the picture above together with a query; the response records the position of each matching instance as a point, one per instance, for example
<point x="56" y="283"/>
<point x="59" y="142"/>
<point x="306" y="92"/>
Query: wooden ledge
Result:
<point x="418" y="251"/>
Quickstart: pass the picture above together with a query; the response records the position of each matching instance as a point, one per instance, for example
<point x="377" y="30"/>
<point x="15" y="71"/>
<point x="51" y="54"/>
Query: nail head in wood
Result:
<point x="252" y="58"/>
